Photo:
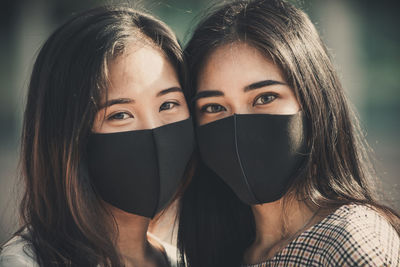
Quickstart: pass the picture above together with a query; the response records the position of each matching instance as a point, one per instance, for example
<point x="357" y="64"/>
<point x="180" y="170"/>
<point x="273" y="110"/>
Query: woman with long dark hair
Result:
<point x="106" y="140"/>
<point x="284" y="177"/>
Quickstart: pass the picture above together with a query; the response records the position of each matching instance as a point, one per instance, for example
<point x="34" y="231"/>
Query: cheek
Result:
<point x="183" y="109"/>
<point x="294" y="108"/>
<point x="199" y="119"/>
<point x="287" y="104"/>
<point x="101" y="125"/>
<point x="291" y="105"/>
<point x="177" y="114"/>
<point x="283" y="107"/>
<point x="204" y="119"/>
<point x="98" y="122"/>
<point x="183" y="112"/>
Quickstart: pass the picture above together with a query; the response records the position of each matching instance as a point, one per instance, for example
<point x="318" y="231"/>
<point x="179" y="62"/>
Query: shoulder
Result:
<point x="170" y="251"/>
<point x="358" y="235"/>
<point x="17" y="253"/>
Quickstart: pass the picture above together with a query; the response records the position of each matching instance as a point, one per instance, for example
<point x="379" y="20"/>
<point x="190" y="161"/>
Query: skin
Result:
<point x="237" y="78"/>
<point x="144" y="93"/>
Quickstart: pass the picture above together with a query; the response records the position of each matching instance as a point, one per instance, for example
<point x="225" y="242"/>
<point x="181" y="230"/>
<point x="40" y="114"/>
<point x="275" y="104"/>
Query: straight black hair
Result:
<point x="63" y="219"/>
<point x="214" y="227"/>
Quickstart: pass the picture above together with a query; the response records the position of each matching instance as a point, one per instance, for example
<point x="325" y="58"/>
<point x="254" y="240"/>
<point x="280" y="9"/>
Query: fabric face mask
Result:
<point x="140" y="171"/>
<point x="257" y="155"/>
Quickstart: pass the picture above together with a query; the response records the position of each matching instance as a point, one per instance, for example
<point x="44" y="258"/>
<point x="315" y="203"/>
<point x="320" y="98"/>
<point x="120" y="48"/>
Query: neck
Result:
<point x="131" y="240"/>
<point x="277" y="223"/>
<point x="273" y="223"/>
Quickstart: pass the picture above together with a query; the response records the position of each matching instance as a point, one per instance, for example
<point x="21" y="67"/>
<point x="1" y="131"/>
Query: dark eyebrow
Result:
<point x="261" y="84"/>
<point x="207" y="93"/>
<point x="117" y="101"/>
<point x="169" y="90"/>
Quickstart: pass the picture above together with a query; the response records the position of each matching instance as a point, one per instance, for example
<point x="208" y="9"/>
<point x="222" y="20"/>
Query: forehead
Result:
<point x="140" y="68"/>
<point x="236" y="64"/>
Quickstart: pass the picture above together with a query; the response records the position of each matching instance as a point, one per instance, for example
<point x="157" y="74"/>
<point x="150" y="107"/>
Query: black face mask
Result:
<point x="257" y="155"/>
<point x="140" y="171"/>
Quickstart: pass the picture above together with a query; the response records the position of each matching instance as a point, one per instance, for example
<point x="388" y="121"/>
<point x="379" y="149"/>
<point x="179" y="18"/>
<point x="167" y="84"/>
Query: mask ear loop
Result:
<point x="240" y="161"/>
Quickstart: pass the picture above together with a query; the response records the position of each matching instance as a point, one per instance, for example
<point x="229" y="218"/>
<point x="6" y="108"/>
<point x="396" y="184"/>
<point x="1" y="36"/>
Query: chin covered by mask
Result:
<point x="140" y="171"/>
<point x="257" y="155"/>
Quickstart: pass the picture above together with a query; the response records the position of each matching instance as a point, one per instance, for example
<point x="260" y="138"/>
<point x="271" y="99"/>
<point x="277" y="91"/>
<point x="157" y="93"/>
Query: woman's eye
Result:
<point x="212" y="108"/>
<point x="168" y="105"/>
<point x="120" y="116"/>
<point x="264" y="99"/>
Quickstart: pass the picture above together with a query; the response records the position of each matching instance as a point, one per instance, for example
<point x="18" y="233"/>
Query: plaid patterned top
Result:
<point x="354" y="235"/>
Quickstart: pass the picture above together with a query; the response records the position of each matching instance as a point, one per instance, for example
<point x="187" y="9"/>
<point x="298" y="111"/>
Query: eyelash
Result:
<point x="113" y="116"/>
<point x="204" y="108"/>
<point x="174" y="104"/>
<point x="275" y="96"/>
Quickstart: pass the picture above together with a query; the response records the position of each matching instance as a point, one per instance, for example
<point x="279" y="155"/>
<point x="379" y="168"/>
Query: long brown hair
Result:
<point x="63" y="218"/>
<point x="215" y="228"/>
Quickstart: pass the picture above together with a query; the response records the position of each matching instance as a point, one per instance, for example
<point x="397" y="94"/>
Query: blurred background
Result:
<point x="362" y="36"/>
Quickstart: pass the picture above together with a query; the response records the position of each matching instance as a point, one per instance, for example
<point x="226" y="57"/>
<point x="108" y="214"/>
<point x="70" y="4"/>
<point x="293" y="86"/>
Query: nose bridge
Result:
<point x="238" y="106"/>
<point x="149" y="119"/>
<point x="240" y="110"/>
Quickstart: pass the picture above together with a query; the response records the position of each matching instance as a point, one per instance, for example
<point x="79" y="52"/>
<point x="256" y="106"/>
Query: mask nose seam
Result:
<point x="158" y="171"/>
<point x="240" y="161"/>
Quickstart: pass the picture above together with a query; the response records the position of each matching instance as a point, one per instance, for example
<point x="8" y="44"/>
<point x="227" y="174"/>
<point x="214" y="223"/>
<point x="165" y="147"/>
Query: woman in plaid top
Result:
<point x="284" y="175"/>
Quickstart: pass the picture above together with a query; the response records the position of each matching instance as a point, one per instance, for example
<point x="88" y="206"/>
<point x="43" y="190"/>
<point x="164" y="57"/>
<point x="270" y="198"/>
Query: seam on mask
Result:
<point x="159" y="176"/>
<point x="240" y="161"/>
